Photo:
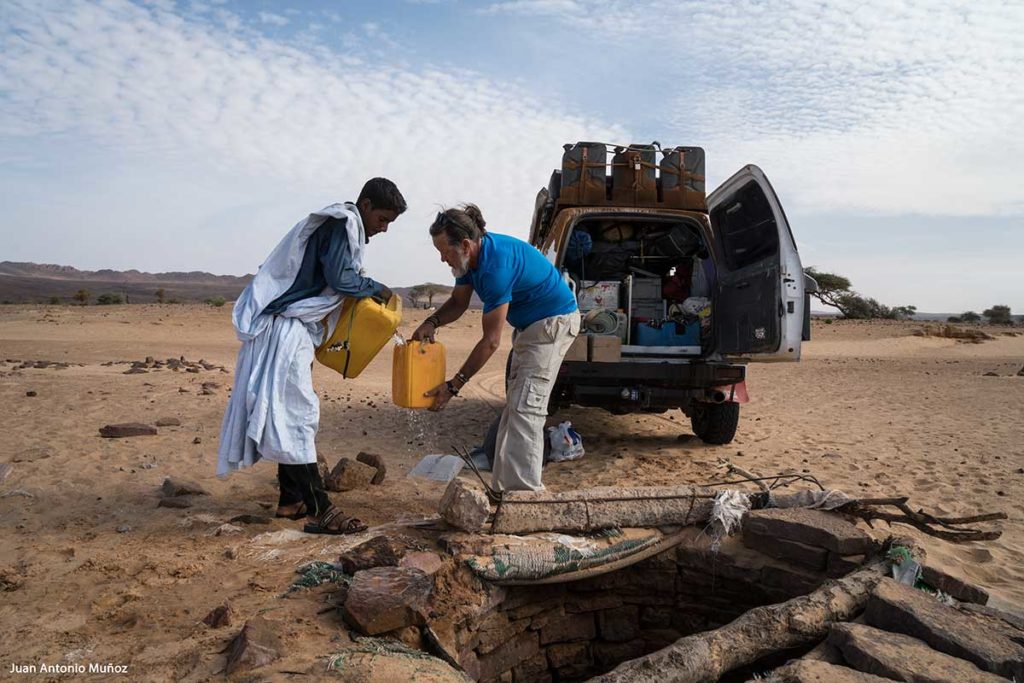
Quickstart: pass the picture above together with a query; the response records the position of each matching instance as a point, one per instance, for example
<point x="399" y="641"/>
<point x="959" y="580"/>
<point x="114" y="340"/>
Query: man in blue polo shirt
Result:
<point x="515" y="283"/>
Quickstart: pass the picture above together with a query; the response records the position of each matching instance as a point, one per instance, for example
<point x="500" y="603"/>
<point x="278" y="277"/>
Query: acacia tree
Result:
<point x="835" y="290"/>
<point x="427" y="291"/>
<point x="433" y="289"/>
<point x="831" y="287"/>
<point x="998" y="315"/>
<point x="161" y="295"/>
<point x="82" y="296"/>
<point x="415" y="295"/>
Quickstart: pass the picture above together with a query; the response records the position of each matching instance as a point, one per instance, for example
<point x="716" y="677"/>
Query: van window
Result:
<point x="747" y="227"/>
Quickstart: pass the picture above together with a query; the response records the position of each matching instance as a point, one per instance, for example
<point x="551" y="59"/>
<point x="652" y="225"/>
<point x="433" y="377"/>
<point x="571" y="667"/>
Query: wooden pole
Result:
<point x="705" y="657"/>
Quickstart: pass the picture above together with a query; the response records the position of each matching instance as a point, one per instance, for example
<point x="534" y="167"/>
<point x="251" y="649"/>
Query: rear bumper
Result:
<point x="637" y="387"/>
<point x="696" y="375"/>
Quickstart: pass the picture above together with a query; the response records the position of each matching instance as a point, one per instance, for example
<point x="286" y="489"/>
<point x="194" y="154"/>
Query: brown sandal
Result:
<point x="298" y="512"/>
<point x="335" y="522"/>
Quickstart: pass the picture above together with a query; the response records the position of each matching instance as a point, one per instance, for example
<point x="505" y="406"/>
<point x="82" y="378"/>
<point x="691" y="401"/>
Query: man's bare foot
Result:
<point x="297" y="511"/>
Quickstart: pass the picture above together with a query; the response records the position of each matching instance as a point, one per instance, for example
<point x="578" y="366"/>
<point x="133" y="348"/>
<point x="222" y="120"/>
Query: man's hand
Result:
<point x="441" y="396"/>
<point x="384" y="295"/>
<point x="425" y="332"/>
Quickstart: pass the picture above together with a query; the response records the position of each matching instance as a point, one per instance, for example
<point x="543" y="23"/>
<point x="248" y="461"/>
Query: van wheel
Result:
<point x="715" y="423"/>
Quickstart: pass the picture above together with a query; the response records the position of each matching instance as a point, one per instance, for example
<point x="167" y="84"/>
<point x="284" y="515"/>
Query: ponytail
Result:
<point x="466" y="223"/>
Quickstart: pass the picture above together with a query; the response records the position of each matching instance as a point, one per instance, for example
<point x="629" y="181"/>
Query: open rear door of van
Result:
<point x="759" y="296"/>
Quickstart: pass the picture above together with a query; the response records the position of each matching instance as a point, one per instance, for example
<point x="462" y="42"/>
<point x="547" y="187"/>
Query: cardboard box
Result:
<point x="605" y="348"/>
<point x="578" y="350"/>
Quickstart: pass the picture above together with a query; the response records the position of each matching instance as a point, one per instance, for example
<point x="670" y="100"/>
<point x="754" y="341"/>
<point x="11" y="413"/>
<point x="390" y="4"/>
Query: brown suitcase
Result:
<point x="583" y="174"/>
<point x="682" y="179"/>
<point x="633" y="176"/>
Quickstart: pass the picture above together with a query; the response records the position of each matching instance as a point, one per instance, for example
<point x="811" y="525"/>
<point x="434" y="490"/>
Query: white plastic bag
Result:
<point x="566" y="443"/>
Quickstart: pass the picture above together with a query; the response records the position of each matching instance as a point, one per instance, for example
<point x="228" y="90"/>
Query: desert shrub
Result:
<point x="216" y="301"/>
<point x="54" y="300"/>
<point x="109" y="299"/>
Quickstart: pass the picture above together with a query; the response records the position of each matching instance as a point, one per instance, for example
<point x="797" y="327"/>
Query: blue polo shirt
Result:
<point x="510" y="271"/>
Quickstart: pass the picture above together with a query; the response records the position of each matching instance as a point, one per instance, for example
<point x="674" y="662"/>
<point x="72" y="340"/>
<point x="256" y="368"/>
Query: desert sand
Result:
<point x="91" y="570"/>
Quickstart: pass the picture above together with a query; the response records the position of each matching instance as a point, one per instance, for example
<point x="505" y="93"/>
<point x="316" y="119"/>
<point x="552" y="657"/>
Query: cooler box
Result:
<point x="600" y="294"/>
<point x="417" y="367"/>
<point x="669" y="334"/>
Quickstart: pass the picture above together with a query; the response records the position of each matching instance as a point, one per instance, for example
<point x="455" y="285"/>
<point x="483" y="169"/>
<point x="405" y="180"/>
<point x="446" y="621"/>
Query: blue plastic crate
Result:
<point x="668" y="334"/>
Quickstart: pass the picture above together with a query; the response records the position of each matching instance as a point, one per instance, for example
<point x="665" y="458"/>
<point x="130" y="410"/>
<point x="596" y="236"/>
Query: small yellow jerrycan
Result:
<point x="418" y="367"/>
<point x="364" y="326"/>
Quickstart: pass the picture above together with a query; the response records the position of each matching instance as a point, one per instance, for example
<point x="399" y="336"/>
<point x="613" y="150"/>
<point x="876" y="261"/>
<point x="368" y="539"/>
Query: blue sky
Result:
<point x="171" y="135"/>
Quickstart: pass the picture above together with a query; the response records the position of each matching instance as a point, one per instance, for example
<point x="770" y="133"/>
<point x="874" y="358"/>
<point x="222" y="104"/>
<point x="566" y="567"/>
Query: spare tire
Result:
<point x="715" y="423"/>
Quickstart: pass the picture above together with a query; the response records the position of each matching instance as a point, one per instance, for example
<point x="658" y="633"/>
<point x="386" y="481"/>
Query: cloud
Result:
<point x="564" y="9"/>
<point x="852" y="104"/>
<point x="145" y="94"/>
<point x="273" y="19"/>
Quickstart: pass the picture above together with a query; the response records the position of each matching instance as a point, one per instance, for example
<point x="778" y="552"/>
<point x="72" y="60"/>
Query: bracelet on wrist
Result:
<point x="462" y="377"/>
<point x="433" y="320"/>
<point x="451" y="388"/>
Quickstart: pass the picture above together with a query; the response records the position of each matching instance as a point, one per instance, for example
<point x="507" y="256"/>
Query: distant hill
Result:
<point x="39" y="282"/>
<point x="922" y="317"/>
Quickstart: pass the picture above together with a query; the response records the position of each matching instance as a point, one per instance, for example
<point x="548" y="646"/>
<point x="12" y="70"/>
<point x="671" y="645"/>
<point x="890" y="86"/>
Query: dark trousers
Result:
<point x="303" y="483"/>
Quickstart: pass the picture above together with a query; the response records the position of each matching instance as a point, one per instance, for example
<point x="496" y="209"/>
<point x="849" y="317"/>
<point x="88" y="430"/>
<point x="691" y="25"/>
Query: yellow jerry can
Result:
<point x="417" y="367"/>
<point x="364" y="327"/>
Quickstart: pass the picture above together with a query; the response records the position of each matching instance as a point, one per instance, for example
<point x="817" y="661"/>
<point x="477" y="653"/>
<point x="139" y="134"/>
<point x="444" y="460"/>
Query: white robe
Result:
<point x="273" y="411"/>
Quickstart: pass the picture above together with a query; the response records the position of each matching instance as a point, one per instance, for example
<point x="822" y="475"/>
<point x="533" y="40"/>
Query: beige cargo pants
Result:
<point x="537" y="353"/>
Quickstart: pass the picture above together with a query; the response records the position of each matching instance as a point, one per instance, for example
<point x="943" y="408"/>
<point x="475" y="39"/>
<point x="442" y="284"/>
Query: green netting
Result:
<point x="541" y="556"/>
<point x="317" y="573"/>
<point x="374" y="646"/>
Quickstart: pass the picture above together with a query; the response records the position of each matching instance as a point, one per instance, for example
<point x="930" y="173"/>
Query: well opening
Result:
<point x="573" y="631"/>
<point x="553" y="607"/>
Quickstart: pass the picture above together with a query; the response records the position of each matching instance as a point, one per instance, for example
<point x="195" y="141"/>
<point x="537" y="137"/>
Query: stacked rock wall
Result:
<point x="571" y="631"/>
<point x="574" y="630"/>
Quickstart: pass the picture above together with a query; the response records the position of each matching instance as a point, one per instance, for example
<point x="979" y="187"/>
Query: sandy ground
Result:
<point x="93" y="571"/>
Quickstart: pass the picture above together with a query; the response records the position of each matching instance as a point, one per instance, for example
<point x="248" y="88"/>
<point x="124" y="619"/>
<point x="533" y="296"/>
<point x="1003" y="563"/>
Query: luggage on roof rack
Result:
<point x="682" y="179"/>
<point x="636" y="178"/>
<point x="583" y="174"/>
<point x="633" y="176"/>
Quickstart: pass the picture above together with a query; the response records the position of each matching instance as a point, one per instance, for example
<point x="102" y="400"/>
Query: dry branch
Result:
<point x="705" y="657"/>
<point x="866" y="509"/>
<point x="733" y="468"/>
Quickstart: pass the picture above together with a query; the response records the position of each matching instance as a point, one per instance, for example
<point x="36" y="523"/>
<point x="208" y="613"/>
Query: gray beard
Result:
<point x="462" y="269"/>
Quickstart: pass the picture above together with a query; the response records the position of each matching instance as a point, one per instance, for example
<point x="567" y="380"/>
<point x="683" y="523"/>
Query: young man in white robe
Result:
<point x="274" y="412"/>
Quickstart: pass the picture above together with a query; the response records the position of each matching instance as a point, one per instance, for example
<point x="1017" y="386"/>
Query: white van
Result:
<point x="678" y="291"/>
